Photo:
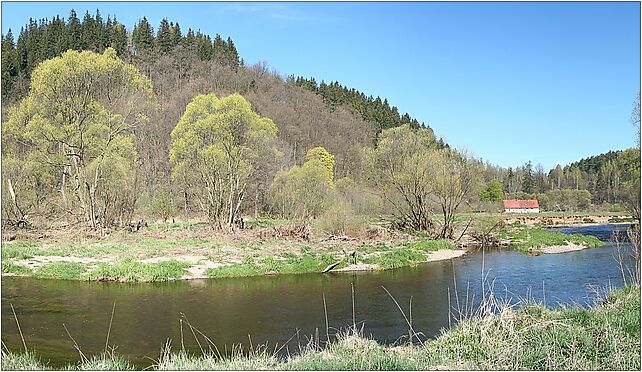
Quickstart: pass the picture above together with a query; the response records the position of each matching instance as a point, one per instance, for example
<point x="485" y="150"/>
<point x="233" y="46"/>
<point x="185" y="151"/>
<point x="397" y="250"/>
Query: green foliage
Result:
<point x="522" y="238"/>
<point x="418" y="178"/>
<point x="135" y="271"/>
<point x="10" y="267"/>
<point x="373" y="110"/>
<point x="339" y="219"/>
<point x="325" y="158"/>
<point x="60" y="270"/>
<point x="493" y="192"/>
<point x="302" y="192"/>
<point x="566" y="200"/>
<point x="163" y="206"/>
<point x="216" y="147"/>
<point x="75" y="124"/>
<point x="44" y="39"/>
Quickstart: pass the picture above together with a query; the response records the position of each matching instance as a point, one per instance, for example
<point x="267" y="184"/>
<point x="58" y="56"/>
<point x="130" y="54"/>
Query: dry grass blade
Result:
<point x="410" y="329"/>
<point x="327" y="327"/>
<point x="83" y="358"/>
<point x="193" y="334"/>
<point x="24" y="344"/>
<point x="110" y="323"/>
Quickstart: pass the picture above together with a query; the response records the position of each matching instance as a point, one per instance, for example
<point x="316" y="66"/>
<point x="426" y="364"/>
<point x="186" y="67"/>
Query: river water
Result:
<point x="276" y="309"/>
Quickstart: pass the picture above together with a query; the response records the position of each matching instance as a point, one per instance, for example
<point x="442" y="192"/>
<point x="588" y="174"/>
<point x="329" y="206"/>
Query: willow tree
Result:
<point x="400" y="168"/>
<point x="78" y="122"/>
<point x="303" y="192"/>
<point x="325" y="159"/>
<point x="420" y="180"/>
<point x="216" y="147"/>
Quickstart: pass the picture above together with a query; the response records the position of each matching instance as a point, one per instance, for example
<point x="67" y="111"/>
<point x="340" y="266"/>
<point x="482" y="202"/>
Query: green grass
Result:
<point x="21" y="362"/>
<point x="135" y="271"/>
<point x="396" y="258"/>
<point x="124" y="271"/>
<point x="308" y="262"/>
<point x="10" y="267"/>
<point x="621" y="219"/>
<point x="21" y="249"/>
<point x="524" y="238"/>
<point x="265" y="222"/>
<point x="61" y="270"/>
<point x="305" y="262"/>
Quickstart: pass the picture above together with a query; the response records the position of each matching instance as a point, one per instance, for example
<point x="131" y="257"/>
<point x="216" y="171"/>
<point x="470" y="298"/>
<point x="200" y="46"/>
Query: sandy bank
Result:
<point x="445" y="254"/>
<point x="442" y="254"/>
<point x="570" y="247"/>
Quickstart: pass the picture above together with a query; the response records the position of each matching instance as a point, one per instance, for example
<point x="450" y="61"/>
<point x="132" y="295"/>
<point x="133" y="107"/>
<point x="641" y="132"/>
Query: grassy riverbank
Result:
<point x="191" y="249"/>
<point x="533" y="239"/>
<point x="606" y="337"/>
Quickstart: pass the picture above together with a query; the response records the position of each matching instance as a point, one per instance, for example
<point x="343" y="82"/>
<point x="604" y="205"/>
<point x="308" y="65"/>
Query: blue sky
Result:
<point x="510" y="82"/>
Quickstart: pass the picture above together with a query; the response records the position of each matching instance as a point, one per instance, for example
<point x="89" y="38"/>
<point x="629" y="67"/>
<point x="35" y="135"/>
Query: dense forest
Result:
<point x="308" y="149"/>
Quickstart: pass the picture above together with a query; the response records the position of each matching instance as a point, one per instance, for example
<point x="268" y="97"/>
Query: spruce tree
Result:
<point x="164" y="37"/>
<point x="143" y="37"/>
<point x="9" y="64"/>
<point x="74" y="30"/>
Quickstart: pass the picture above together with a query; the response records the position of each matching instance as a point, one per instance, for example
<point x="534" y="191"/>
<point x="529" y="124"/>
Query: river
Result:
<point x="276" y="309"/>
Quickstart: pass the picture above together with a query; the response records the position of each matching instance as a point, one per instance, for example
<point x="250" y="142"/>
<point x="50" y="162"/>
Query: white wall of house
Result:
<point x="522" y="210"/>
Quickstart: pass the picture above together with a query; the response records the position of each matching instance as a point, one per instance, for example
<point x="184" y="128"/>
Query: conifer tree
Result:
<point x="143" y="36"/>
<point x="164" y="37"/>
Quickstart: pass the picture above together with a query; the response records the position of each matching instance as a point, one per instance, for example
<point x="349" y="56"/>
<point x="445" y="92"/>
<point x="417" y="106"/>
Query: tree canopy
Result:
<point x="216" y="147"/>
<point x="77" y="124"/>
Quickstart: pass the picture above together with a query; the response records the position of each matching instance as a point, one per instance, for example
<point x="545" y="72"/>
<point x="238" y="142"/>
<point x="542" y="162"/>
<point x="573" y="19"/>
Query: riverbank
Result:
<point x="191" y="250"/>
<point x="194" y="251"/>
<point x="536" y="240"/>
<point x="606" y="337"/>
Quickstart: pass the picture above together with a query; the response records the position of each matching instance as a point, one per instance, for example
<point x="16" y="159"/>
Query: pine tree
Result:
<point x="177" y="36"/>
<point x="528" y="184"/>
<point x="219" y="49"/>
<point x="232" y="54"/>
<point x="74" y="31"/>
<point x="100" y="33"/>
<point x="164" y="37"/>
<point x="9" y="64"/>
<point x="119" y="39"/>
<point x="143" y="37"/>
<point x="88" y="34"/>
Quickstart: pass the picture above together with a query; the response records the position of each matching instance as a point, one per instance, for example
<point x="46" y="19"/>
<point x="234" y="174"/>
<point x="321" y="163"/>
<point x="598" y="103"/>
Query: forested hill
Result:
<point x="593" y="164"/>
<point x="183" y="64"/>
<point x="44" y="39"/>
<point x="371" y="109"/>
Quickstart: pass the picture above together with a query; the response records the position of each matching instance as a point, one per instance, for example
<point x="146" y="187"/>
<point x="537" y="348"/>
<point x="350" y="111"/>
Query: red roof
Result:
<point x="520" y="204"/>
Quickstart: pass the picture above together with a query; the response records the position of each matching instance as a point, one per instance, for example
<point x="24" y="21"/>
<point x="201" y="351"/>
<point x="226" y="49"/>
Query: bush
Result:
<point x="340" y="220"/>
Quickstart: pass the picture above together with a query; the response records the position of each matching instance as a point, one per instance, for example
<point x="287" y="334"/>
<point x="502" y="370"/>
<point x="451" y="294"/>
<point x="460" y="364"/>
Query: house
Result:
<point x="521" y="206"/>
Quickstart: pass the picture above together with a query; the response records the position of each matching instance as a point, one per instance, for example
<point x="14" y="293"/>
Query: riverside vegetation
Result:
<point x="183" y="251"/>
<point x="496" y="337"/>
